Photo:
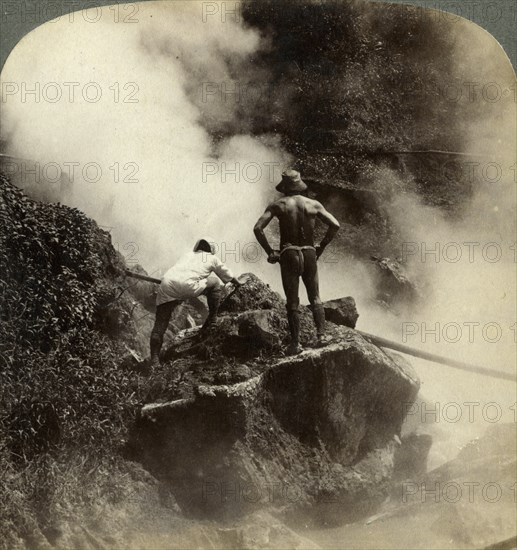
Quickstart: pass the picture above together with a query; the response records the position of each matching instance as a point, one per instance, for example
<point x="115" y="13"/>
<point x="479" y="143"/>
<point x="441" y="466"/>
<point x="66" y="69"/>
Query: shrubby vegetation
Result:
<point x="60" y="381"/>
<point x="355" y="77"/>
<point x="63" y="388"/>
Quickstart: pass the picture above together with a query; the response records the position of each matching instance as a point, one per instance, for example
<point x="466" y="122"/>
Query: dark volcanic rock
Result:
<point x="243" y="335"/>
<point x="233" y="374"/>
<point x="394" y="285"/>
<point x="260" y="328"/>
<point x="313" y="433"/>
<point x="255" y="294"/>
<point x="144" y="292"/>
<point x="411" y="456"/>
<point x="468" y="502"/>
<point x="253" y="317"/>
<point x="341" y="312"/>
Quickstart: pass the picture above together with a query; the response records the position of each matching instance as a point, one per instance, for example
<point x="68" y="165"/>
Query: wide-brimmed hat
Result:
<point x="291" y="183"/>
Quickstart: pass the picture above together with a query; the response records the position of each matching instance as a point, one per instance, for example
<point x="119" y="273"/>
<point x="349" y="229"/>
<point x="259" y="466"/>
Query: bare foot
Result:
<point x="293" y="349"/>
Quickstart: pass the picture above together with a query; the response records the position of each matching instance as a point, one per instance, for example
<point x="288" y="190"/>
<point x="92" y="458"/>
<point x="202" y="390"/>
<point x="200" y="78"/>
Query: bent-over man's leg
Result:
<point x="311" y="281"/>
<point x="161" y="322"/>
<point x="290" y="269"/>
<point x="213" y="293"/>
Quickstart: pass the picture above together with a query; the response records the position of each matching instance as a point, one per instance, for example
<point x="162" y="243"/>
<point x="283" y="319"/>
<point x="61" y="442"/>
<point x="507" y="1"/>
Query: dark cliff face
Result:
<point x="312" y="434"/>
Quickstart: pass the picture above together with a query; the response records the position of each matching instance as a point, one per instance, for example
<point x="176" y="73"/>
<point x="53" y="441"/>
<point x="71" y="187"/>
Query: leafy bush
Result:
<point x="52" y="259"/>
<point x="62" y="385"/>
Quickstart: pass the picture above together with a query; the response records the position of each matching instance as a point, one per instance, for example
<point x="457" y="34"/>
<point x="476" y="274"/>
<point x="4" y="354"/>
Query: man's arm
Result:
<point x="261" y="224"/>
<point x="333" y="227"/>
<point x="222" y="271"/>
<point x="225" y="273"/>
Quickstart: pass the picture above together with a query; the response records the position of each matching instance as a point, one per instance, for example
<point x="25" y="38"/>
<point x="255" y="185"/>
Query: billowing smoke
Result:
<point x="137" y="121"/>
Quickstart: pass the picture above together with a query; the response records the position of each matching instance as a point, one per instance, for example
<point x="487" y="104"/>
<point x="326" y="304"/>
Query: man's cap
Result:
<point x="206" y="240"/>
<point x="291" y="183"/>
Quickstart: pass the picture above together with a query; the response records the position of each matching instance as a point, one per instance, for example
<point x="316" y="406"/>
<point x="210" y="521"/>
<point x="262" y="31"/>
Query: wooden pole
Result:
<point x="142" y="277"/>
<point x="388" y="344"/>
<point x="383" y="343"/>
<point x="432" y="152"/>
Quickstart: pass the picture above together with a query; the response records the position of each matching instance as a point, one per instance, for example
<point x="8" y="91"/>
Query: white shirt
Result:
<point x="187" y="277"/>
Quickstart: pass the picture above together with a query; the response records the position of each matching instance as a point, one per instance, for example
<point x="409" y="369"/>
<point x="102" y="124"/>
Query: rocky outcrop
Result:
<point x="395" y="286"/>
<point x="255" y="294"/>
<point x="411" y="456"/>
<point x="468" y="502"/>
<point x="311" y="434"/>
<point x="341" y="312"/>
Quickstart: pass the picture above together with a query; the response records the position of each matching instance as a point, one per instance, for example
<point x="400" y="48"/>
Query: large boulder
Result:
<point x="394" y="285"/>
<point x="261" y="328"/>
<point x="341" y="312"/>
<point x="468" y="502"/>
<point x="313" y="433"/>
<point x="254" y="294"/>
<point x="411" y="456"/>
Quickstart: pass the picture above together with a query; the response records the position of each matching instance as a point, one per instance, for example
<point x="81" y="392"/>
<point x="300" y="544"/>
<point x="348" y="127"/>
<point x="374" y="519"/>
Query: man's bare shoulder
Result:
<point x="277" y="206"/>
<point x="312" y="204"/>
<point x="287" y="203"/>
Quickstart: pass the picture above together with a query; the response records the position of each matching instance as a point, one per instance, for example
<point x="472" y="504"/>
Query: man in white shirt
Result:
<point x="196" y="273"/>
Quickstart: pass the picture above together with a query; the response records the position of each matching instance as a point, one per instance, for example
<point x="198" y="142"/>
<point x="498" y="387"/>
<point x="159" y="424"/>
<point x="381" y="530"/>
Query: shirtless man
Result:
<point x="297" y="255"/>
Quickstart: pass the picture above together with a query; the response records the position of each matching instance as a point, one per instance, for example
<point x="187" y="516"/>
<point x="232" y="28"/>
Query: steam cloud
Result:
<point x="183" y="186"/>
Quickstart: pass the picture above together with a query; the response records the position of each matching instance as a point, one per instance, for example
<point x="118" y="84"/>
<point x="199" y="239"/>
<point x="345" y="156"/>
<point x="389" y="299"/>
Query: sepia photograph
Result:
<point x="258" y="275"/>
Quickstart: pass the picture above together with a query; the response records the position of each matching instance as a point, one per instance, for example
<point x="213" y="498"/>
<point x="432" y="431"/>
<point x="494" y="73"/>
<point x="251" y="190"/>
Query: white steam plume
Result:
<point x="179" y="190"/>
<point x="473" y="276"/>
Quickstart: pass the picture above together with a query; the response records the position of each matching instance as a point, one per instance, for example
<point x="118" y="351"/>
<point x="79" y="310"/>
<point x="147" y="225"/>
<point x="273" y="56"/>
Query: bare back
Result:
<point x="297" y="216"/>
